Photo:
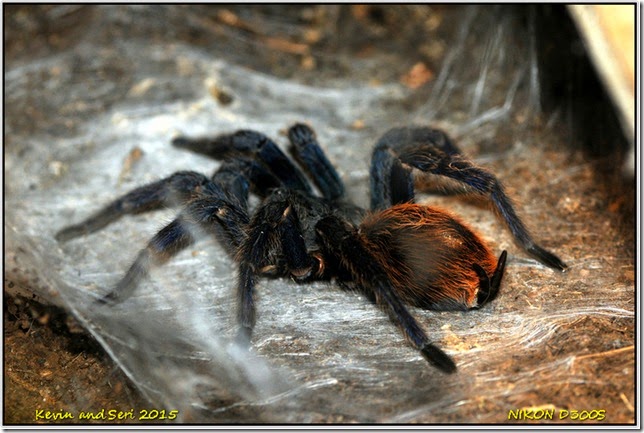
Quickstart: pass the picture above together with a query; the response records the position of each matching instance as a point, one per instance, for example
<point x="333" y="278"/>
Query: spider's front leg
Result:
<point x="164" y="245"/>
<point x="253" y="145"/>
<point x="174" y="189"/>
<point x="307" y="151"/>
<point x="216" y="206"/>
<point x="207" y="213"/>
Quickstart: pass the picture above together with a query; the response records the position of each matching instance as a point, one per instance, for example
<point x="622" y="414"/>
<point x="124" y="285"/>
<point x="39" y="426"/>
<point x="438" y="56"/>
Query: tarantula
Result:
<point x="396" y="253"/>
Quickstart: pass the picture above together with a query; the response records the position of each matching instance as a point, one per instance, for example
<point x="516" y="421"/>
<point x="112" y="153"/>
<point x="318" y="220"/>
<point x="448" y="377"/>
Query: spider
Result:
<point x="397" y="253"/>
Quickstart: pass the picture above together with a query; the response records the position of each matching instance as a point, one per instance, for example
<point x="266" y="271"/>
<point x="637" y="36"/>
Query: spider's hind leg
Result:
<point x="431" y="151"/>
<point x="392" y="181"/>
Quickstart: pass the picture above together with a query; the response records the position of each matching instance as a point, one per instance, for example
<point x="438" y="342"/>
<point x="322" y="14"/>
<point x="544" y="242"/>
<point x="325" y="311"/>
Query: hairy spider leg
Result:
<point x="391" y="182"/>
<point x="234" y="179"/>
<point x="174" y="189"/>
<point x="164" y="245"/>
<point x="246" y="143"/>
<point x="340" y="240"/>
<point x="308" y="153"/>
<point x="217" y="207"/>
<point x="434" y="157"/>
<point x="401" y="184"/>
<point x="382" y="162"/>
<point x="214" y="215"/>
<point x="274" y="233"/>
<point x="261" y="179"/>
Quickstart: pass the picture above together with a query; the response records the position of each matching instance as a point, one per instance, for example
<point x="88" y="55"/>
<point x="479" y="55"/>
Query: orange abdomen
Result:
<point x="428" y="254"/>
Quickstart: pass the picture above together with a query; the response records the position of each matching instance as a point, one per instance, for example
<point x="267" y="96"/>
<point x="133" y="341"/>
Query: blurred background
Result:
<point x="541" y="95"/>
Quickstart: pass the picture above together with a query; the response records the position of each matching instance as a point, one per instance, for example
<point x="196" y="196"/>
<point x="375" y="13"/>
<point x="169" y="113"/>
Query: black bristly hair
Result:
<point x="398" y="253"/>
